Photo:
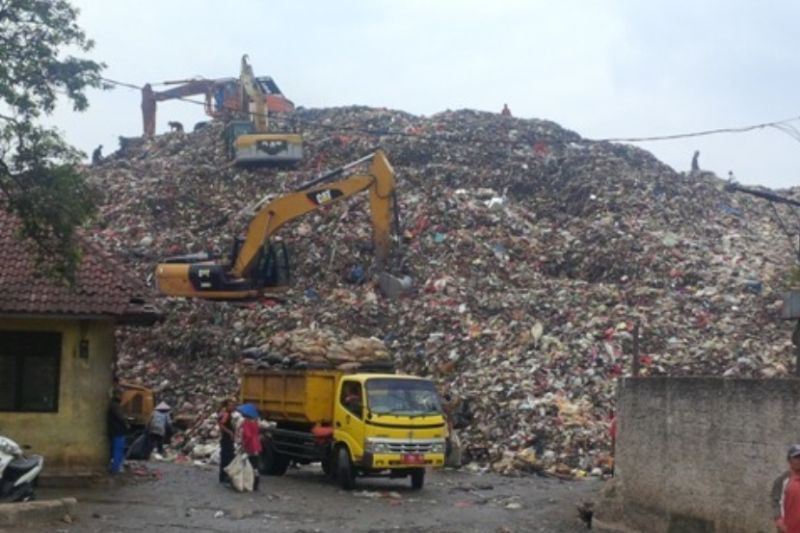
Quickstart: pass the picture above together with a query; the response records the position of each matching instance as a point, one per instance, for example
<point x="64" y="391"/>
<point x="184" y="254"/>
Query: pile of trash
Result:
<point x="318" y="349"/>
<point x="535" y="256"/>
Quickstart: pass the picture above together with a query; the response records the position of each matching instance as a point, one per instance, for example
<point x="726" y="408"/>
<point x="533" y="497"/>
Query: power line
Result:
<point x="121" y="83"/>
<point x="778" y="124"/>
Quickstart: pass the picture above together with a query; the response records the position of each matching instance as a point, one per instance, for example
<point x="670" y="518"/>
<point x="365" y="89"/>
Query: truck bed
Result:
<point x="303" y="396"/>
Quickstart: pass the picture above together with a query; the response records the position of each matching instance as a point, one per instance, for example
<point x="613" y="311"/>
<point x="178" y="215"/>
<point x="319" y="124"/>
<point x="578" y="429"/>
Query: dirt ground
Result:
<point x="179" y="498"/>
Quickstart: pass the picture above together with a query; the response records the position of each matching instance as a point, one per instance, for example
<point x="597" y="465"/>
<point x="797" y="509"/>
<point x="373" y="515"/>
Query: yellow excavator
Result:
<point x="257" y="264"/>
<point x="249" y="142"/>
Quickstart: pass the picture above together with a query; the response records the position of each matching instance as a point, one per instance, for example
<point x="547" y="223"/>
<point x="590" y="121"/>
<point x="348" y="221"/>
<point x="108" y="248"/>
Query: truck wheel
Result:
<point x="344" y="469"/>
<point x="417" y="478"/>
<point x="273" y="463"/>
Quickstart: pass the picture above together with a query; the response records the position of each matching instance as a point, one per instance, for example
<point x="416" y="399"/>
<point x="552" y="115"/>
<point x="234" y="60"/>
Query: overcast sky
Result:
<point x="606" y="69"/>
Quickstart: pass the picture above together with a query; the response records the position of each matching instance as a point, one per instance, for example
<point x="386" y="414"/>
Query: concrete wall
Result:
<point x="700" y="454"/>
<point x="72" y="440"/>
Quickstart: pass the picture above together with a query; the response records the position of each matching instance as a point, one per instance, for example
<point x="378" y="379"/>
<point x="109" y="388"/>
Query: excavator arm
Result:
<point x="263" y="91"/>
<point x="247" y="274"/>
<point x="254" y="94"/>
<point x="186" y="88"/>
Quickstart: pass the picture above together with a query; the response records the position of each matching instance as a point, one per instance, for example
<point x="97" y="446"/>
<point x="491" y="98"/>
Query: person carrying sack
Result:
<point x="249" y="439"/>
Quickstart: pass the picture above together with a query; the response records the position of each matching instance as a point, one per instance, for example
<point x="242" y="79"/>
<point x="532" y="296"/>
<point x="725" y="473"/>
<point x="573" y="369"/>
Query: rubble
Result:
<point x="533" y="252"/>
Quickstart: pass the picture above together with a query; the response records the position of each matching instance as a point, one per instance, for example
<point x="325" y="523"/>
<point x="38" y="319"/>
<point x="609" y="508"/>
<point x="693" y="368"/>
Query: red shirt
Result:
<point x="791" y="504"/>
<point x="251" y="437"/>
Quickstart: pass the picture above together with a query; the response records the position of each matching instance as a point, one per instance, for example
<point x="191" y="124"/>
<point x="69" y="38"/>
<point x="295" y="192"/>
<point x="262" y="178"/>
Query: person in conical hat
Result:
<point x="159" y="428"/>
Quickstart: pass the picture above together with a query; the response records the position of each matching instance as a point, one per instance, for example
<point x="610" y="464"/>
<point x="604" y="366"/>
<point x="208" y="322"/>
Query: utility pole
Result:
<point x="636" y="360"/>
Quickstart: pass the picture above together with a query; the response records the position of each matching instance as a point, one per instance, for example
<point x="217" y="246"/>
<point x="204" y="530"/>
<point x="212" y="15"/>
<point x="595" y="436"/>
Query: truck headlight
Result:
<point x="376" y="447"/>
<point x="437" y="447"/>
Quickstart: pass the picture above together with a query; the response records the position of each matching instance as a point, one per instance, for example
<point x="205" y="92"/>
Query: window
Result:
<point x="29" y="371"/>
<point x="351" y="397"/>
<point x="409" y="397"/>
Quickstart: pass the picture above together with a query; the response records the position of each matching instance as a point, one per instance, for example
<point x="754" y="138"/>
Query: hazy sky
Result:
<point x="604" y="68"/>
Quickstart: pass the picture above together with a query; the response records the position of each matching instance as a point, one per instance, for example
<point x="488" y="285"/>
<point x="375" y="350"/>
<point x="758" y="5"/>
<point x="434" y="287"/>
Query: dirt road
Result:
<point x="188" y="498"/>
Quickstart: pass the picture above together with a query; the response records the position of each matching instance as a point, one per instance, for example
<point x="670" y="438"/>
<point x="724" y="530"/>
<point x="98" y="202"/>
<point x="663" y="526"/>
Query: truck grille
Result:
<point x="409" y="447"/>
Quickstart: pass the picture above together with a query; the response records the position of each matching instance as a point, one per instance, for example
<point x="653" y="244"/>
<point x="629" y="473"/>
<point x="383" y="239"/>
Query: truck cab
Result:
<point x="389" y="422"/>
<point x="354" y="424"/>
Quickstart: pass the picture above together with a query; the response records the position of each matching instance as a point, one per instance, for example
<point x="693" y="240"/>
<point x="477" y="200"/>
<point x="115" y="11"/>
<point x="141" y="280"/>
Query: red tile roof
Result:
<point x="102" y="286"/>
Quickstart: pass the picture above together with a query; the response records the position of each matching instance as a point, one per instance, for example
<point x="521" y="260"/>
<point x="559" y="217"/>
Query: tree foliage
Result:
<point x="39" y="178"/>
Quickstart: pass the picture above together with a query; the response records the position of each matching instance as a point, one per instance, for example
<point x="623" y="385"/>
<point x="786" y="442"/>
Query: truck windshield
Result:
<point x="407" y="397"/>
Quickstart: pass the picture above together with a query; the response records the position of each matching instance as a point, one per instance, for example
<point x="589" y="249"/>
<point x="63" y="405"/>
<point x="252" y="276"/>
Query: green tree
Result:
<point x="39" y="178"/>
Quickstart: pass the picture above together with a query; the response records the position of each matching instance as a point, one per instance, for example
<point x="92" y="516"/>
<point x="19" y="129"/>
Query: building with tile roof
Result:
<point x="57" y="352"/>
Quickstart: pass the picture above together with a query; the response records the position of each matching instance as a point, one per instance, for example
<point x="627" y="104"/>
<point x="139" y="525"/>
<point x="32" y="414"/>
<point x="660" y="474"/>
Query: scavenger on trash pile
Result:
<point x="533" y="252"/>
<point x="97" y="155"/>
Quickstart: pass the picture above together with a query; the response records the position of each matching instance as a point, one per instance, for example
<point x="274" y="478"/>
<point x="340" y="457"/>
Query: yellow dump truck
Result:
<point x="354" y="424"/>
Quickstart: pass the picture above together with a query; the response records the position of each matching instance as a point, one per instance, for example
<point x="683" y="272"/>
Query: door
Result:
<point x="349" y="417"/>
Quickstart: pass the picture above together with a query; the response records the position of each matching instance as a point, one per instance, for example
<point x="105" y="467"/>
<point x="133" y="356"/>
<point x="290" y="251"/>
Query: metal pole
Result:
<point x="636" y="365"/>
<point x="796" y="341"/>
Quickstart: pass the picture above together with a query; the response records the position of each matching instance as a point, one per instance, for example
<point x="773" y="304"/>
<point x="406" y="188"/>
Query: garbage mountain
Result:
<point x="534" y="254"/>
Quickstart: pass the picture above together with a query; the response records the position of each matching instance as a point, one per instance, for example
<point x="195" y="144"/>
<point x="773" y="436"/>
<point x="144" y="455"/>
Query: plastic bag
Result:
<point x="241" y="474"/>
<point x="453" y="450"/>
<point x="139" y="448"/>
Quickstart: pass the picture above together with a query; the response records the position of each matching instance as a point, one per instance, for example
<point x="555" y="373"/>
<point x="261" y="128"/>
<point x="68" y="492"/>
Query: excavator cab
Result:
<point x="273" y="268"/>
<point x="201" y="275"/>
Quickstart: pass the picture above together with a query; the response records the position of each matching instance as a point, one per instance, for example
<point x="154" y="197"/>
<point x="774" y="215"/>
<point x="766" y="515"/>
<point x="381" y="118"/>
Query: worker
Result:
<point x="159" y="429"/>
<point x="452" y="456"/>
<point x="695" y="163"/>
<point x="786" y="494"/>
<point x="250" y="439"/>
<point x="97" y="155"/>
<point x="117" y="428"/>
<point x="226" y="437"/>
<point x="219" y="99"/>
<point x="506" y="112"/>
<point x="149" y="110"/>
<point x="352" y="397"/>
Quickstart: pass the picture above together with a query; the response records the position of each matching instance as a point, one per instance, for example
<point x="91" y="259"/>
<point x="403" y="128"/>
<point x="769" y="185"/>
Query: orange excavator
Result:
<point x="224" y="98"/>
<point x="256" y="263"/>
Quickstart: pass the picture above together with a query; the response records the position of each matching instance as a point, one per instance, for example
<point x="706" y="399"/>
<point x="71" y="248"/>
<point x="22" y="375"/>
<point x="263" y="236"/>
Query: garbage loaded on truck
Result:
<point x="354" y="424"/>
